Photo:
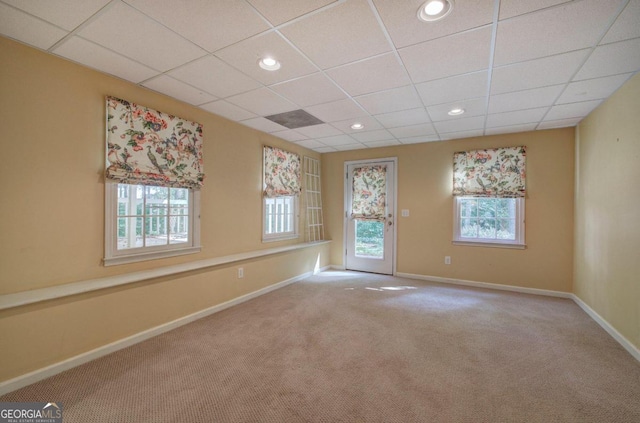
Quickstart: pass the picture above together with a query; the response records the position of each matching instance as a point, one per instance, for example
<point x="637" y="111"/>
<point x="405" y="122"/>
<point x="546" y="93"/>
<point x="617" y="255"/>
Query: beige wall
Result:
<point x="52" y="216"/>
<point x="607" y="219"/>
<point x="425" y="175"/>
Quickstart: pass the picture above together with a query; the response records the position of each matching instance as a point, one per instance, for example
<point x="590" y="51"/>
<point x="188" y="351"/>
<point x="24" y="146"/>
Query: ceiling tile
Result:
<point x="612" y="59"/>
<point x="433" y="59"/>
<point x="369" y="123"/>
<point x="336" y="110"/>
<point x="527" y="99"/>
<point x="562" y="123"/>
<point x="573" y="110"/>
<point x="210" y="24"/>
<point x="349" y="147"/>
<point x="262" y="102"/>
<point x="178" y="89"/>
<point x="289" y="135"/>
<point x="392" y="100"/>
<point x="516" y="118"/>
<point x="376" y="144"/>
<point x="511" y="129"/>
<point x="281" y="11"/>
<point x="471" y="85"/>
<point x="67" y="14"/>
<point x="418" y="140"/>
<point x="511" y="8"/>
<point x="370" y="136"/>
<point x="521" y="39"/>
<point x="371" y="75"/>
<point x="325" y="149"/>
<point x="262" y="124"/>
<point x="404" y="117"/>
<point x="214" y="76"/>
<point x="461" y="134"/>
<point x="547" y="71"/>
<point x="311" y="144"/>
<point x="119" y="29"/>
<point x="466" y="14"/>
<point x="592" y="89"/>
<point x="225" y="109"/>
<point x="310" y="90"/>
<point x="98" y="57"/>
<point x="22" y="27"/>
<point x="339" y="35"/>
<point x="460" y="124"/>
<point x="472" y="107"/>
<point x="421" y="130"/>
<point x="627" y="25"/>
<point x="245" y="55"/>
<point x="317" y="131"/>
<point x="338" y="140"/>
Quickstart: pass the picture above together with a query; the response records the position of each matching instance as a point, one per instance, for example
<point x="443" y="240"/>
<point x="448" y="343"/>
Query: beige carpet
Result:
<point x="352" y="347"/>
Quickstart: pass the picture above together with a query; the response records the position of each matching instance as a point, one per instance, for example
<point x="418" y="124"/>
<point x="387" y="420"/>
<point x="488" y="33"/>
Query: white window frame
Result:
<point x="113" y="256"/>
<point x="518" y="243"/>
<point x="280" y="236"/>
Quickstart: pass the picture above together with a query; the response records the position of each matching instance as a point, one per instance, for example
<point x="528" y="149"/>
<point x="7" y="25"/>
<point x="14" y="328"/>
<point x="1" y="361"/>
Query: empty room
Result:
<point x="320" y="211"/>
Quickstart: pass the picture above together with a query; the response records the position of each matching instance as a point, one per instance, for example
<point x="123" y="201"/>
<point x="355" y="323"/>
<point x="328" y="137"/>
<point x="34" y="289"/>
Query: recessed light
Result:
<point x="455" y="111"/>
<point x="357" y="126"/>
<point x="433" y="10"/>
<point x="269" y="63"/>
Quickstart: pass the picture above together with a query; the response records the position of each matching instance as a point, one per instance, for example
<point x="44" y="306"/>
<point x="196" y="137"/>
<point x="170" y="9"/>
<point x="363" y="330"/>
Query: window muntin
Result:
<point x="488" y="220"/>
<point x="146" y="222"/>
<point x="280" y="218"/>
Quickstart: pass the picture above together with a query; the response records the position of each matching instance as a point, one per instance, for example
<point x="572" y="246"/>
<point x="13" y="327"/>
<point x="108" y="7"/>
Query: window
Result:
<point x="280" y="218"/>
<point x="489" y="191"/>
<point x="146" y="222"/>
<point x="154" y="171"/>
<point x="282" y="177"/>
<point x="497" y="221"/>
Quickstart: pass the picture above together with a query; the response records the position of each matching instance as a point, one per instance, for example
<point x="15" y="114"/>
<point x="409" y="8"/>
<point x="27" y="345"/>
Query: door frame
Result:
<point x="395" y="207"/>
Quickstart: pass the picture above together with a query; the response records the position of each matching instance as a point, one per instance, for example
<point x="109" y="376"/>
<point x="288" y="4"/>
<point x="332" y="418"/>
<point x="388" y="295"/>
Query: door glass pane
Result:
<point x="369" y="239"/>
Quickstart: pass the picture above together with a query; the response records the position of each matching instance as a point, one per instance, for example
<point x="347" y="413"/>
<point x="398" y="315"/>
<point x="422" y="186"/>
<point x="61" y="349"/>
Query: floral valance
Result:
<point x="498" y="172"/>
<point x="282" y="176"/>
<point x="369" y="196"/>
<point x="148" y="147"/>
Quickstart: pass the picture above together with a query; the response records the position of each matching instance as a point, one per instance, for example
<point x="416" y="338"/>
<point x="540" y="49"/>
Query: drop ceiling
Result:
<point x="512" y="65"/>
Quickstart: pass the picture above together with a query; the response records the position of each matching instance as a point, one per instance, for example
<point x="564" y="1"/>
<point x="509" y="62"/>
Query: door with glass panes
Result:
<point x="369" y="216"/>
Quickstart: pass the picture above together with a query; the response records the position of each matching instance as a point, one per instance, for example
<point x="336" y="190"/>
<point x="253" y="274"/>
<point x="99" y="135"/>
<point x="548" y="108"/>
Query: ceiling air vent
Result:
<point x="294" y="119"/>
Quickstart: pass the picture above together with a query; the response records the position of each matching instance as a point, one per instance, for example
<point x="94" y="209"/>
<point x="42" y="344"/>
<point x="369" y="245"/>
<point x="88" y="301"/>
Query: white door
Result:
<point x="369" y="214"/>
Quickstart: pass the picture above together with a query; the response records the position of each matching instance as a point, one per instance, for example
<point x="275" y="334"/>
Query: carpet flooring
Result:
<point x="356" y="347"/>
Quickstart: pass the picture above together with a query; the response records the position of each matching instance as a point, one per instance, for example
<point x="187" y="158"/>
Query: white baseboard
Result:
<point x="536" y="291"/>
<point x="626" y="344"/>
<point x="45" y="372"/>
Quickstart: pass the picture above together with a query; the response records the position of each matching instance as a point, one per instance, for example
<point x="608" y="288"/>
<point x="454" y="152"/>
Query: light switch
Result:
<point x="405" y="213"/>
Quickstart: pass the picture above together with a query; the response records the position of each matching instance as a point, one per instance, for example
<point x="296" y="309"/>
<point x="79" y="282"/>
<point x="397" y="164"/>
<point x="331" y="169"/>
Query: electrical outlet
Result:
<point x="240" y="273"/>
<point x="447" y="259"/>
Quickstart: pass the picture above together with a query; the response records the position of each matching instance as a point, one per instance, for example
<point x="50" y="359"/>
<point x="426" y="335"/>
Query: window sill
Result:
<point x="134" y="258"/>
<point x="490" y="244"/>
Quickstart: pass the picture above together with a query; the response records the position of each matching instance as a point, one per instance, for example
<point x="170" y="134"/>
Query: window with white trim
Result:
<point x="485" y="220"/>
<point x="281" y="190"/>
<point x="154" y="170"/>
<point x="146" y="222"/>
<point x="489" y="191"/>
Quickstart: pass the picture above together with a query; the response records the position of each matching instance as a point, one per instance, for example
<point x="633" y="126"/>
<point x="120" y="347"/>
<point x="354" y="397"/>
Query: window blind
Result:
<point x="148" y="147"/>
